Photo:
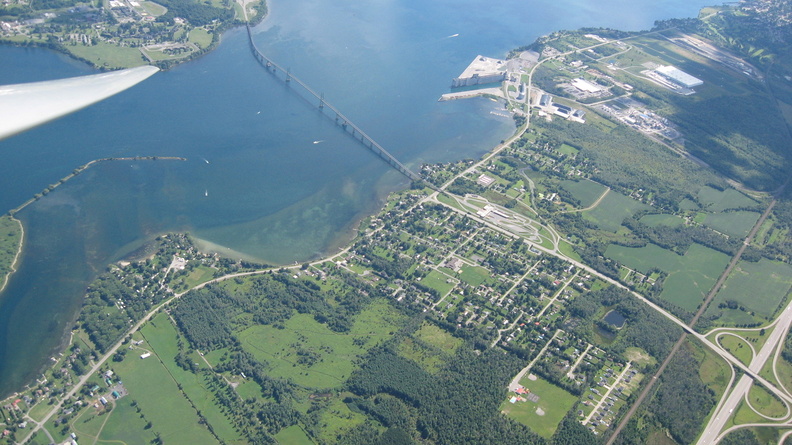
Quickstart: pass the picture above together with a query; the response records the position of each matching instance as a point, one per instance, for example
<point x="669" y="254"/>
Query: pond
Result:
<point x="615" y="318"/>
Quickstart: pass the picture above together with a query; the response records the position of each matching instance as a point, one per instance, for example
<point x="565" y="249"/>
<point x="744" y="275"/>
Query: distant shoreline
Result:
<point x="18" y="254"/>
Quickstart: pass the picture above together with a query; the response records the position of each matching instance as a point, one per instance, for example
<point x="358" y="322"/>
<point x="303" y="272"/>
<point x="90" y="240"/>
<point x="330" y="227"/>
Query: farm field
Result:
<point x="613" y="209"/>
<point x="163" y="404"/>
<point x="311" y="355"/>
<point x="714" y="200"/>
<point x="585" y="191"/>
<point x="162" y="338"/>
<point x="690" y="276"/>
<point x="662" y="220"/>
<point x="759" y="286"/>
<point x="732" y="223"/>
<point x="543" y="416"/>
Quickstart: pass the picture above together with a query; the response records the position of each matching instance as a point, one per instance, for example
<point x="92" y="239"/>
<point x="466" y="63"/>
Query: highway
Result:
<point x="719" y="419"/>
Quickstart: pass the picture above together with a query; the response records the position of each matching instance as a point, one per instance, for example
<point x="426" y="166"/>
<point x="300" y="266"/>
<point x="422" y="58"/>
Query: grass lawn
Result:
<point x="155" y="391"/>
<point x="125" y="425"/>
<point x="732" y="223"/>
<point x="153" y="8"/>
<point x="568" y="150"/>
<point x="200" y="274"/>
<point x="690" y="276"/>
<point x="91" y="421"/>
<point x="765" y="402"/>
<point x="715" y="200"/>
<point x="108" y="56"/>
<point x="759" y="286"/>
<point x="438" y="282"/>
<point x="200" y="37"/>
<point x="737" y="347"/>
<point x="474" y="275"/>
<point x="585" y="191"/>
<point x="613" y="209"/>
<point x="713" y="370"/>
<point x="554" y="402"/>
<point x="293" y="435"/>
<point x="311" y="355"/>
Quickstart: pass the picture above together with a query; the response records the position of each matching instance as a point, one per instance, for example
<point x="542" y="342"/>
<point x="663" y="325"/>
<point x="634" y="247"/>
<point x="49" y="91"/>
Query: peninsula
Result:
<point x="113" y="34"/>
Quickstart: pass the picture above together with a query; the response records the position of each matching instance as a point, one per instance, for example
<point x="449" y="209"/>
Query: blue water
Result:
<point x="267" y="191"/>
<point x="615" y="318"/>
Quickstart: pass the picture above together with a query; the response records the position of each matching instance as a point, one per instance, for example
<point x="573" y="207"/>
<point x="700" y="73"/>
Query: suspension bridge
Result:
<point x="330" y="111"/>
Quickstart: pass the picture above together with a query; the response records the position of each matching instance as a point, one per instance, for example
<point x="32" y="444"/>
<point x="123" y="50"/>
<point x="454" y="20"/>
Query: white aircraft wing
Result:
<point x="26" y="105"/>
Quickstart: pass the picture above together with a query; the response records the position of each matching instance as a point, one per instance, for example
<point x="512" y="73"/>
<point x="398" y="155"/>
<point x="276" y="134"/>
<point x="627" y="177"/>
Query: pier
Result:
<point x="330" y="111"/>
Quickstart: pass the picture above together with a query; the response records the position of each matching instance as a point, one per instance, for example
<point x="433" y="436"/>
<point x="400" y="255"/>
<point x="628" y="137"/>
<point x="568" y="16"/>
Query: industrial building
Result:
<point x="678" y="76"/>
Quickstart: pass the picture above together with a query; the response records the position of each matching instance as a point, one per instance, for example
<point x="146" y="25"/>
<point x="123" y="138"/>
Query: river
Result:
<point x="255" y="182"/>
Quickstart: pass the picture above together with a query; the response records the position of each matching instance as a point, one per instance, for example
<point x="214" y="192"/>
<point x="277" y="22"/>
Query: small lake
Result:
<point x="615" y="318"/>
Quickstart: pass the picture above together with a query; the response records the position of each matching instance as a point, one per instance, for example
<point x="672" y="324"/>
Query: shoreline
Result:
<point x="18" y="254"/>
<point x="261" y="14"/>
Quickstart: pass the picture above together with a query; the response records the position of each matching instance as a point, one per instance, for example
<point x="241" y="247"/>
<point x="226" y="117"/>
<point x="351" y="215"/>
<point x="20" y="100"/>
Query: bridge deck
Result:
<point x="340" y="119"/>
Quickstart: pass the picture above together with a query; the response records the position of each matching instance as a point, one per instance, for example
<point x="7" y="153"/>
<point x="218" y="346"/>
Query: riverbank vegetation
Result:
<point x="10" y="246"/>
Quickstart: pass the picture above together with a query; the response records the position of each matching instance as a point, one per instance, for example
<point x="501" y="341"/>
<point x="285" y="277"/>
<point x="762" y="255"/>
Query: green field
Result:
<point x="732" y="223"/>
<point x="662" y="220"/>
<point x="554" y="401"/>
<point x="200" y="37"/>
<point x="162" y="338"/>
<point x="613" y="209"/>
<point x="585" y="191"/>
<point x="714" y="200"/>
<point x="154" y="389"/>
<point x="438" y="338"/>
<point x="428" y="358"/>
<point x="760" y="286"/>
<point x="765" y="402"/>
<point x="690" y="276"/>
<point x="153" y="8"/>
<point x="474" y="275"/>
<point x="713" y="370"/>
<point x="438" y="282"/>
<point x="108" y="56"/>
<point x="125" y="425"/>
<point x="311" y="355"/>
<point x="293" y="435"/>
<point x="737" y="347"/>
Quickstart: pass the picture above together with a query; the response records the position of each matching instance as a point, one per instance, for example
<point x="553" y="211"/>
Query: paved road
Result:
<point x="718" y="421"/>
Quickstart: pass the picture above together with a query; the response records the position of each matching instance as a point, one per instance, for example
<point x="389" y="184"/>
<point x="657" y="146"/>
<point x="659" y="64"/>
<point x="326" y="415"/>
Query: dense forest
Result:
<point x="459" y="406"/>
<point x="644" y="327"/>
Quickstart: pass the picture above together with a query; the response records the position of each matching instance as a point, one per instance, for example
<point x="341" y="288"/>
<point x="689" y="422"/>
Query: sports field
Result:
<point x="543" y="416"/>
